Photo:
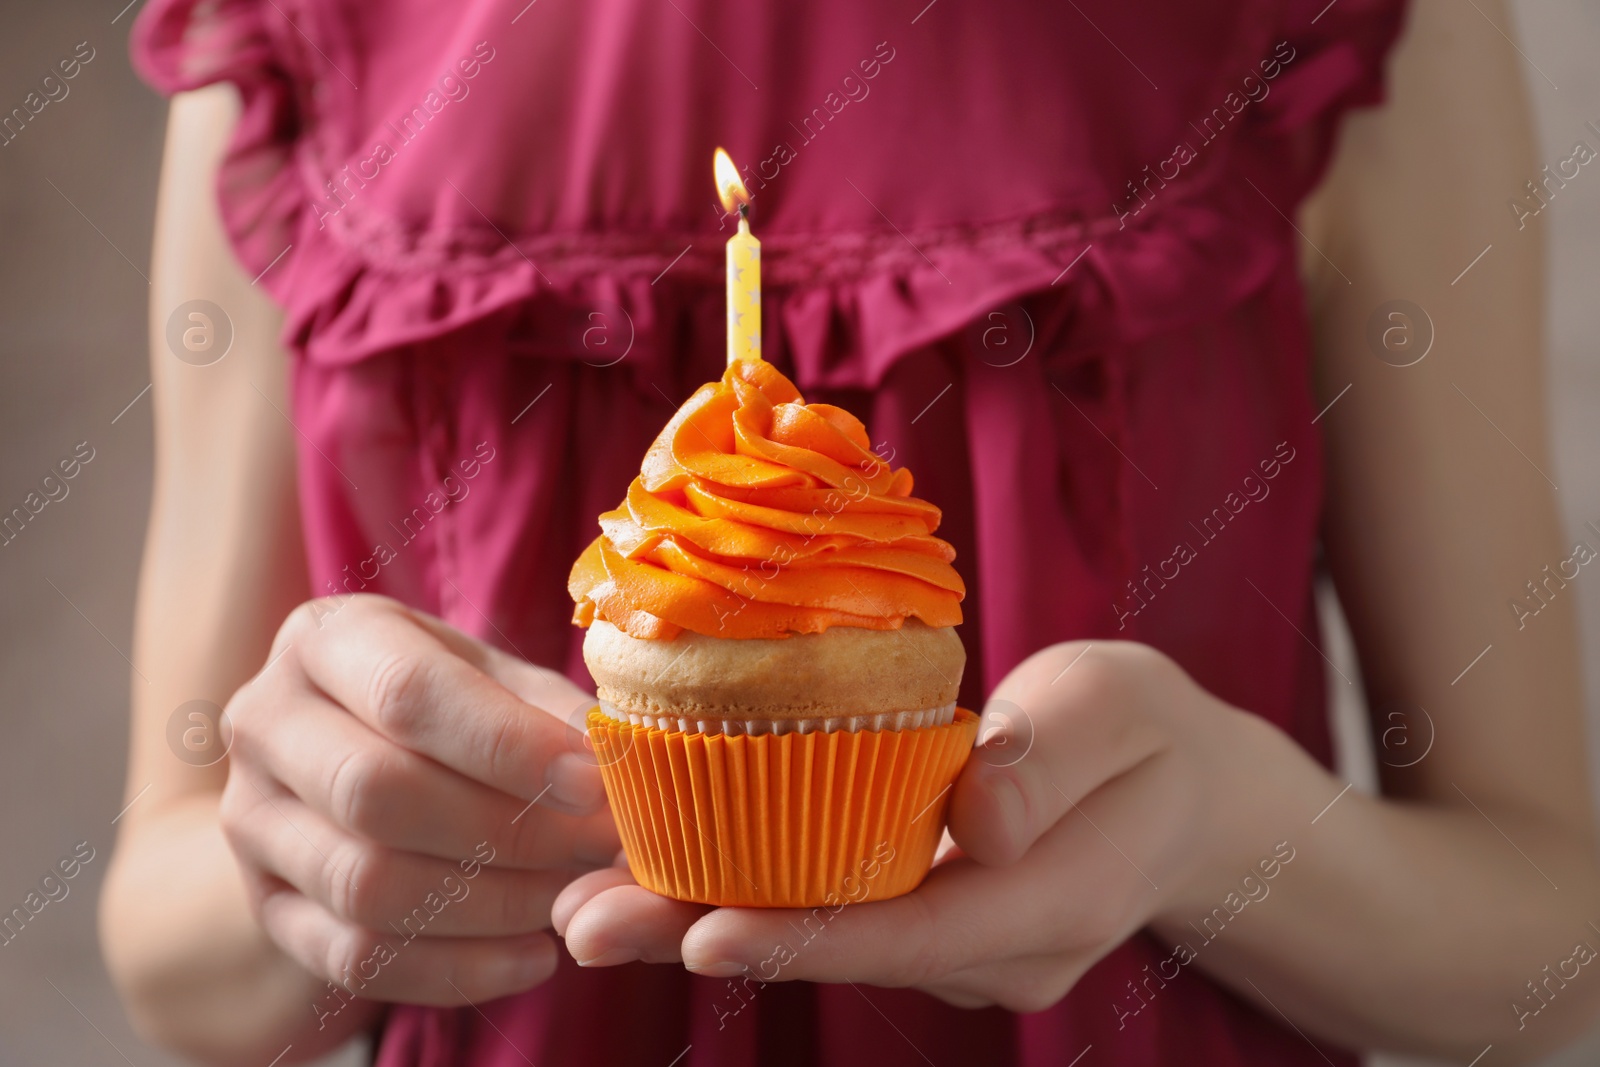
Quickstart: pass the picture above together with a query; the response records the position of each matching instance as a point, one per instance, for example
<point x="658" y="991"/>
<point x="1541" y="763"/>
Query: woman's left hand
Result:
<point x="1107" y="791"/>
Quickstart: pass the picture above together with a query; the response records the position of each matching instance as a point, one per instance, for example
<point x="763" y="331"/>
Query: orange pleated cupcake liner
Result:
<point x="780" y="821"/>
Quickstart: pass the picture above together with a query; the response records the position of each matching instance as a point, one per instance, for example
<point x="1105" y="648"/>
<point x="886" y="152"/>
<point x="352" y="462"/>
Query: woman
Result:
<point x="1049" y="256"/>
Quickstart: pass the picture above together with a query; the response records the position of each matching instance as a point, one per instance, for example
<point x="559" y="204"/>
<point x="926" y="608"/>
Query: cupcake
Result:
<point x="771" y="632"/>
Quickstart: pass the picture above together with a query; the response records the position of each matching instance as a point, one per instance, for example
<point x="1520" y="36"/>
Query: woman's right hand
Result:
<point x="406" y="802"/>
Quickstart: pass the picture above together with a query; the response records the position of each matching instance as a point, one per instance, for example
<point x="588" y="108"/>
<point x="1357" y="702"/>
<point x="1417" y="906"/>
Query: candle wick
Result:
<point x="744" y="211"/>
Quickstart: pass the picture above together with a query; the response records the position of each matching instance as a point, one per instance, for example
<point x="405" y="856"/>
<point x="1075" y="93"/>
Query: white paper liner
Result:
<point x="895" y="720"/>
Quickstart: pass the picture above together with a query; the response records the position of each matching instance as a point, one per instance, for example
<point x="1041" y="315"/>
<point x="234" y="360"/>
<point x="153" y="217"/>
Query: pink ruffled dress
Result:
<point x="1043" y="250"/>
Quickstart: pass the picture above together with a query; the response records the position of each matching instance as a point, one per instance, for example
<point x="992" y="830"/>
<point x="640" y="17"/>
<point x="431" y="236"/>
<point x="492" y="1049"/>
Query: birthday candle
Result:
<point x="743" y="265"/>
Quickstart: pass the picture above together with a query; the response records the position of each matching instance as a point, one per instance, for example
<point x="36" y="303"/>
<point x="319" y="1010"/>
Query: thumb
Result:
<point x="1066" y="721"/>
<point x="549" y="693"/>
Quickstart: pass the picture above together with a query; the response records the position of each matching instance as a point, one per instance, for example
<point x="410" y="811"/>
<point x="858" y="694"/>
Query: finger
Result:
<point x="583" y="889"/>
<point x="1058" y="727"/>
<point x="378" y="790"/>
<point x="623" y="922"/>
<point x="964" y="915"/>
<point x="550" y="691"/>
<point x="542" y="687"/>
<point x="380" y="888"/>
<point x="386" y="966"/>
<point x="1021" y="984"/>
<point x="395" y="675"/>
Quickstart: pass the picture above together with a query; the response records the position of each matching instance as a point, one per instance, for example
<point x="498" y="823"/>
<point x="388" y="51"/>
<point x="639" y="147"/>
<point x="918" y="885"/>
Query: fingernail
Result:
<point x="572" y="783"/>
<point x="723" y="969"/>
<point x="610" y="958"/>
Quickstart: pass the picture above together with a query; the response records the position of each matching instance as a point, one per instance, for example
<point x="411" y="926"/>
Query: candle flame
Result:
<point x="730" y="188"/>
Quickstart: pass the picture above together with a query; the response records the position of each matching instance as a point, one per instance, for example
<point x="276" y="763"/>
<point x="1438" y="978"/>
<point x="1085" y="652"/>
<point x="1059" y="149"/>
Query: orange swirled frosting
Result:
<point x="756" y="514"/>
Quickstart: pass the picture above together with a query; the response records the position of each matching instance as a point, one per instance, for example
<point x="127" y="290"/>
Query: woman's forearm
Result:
<point x="1408" y="926"/>
<point x="1432" y="920"/>
<point x="222" y="567"/>
<point x="194" y="970"/>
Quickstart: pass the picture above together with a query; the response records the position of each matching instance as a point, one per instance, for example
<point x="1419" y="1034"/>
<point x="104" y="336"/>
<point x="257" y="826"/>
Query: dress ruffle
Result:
<point x="187" y="44"/>
<point x="843" y="308"/>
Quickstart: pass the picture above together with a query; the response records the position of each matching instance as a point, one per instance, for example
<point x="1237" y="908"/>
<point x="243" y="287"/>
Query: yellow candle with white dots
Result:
<point x="744" y="265"/>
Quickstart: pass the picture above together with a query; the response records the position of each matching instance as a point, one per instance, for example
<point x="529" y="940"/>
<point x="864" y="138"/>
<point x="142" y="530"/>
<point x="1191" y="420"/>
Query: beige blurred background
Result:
<point x="76" y="199"/>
